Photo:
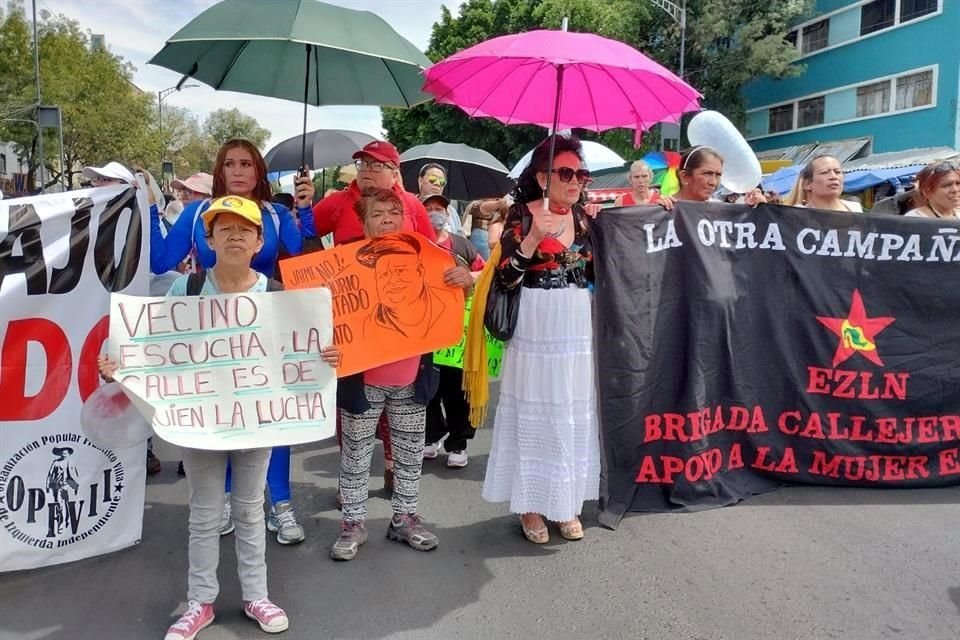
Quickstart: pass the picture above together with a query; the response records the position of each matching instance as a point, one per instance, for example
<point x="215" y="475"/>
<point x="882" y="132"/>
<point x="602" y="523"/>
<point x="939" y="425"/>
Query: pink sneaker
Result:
<point x="272" y="619"/>
<point x="197" y="618"/>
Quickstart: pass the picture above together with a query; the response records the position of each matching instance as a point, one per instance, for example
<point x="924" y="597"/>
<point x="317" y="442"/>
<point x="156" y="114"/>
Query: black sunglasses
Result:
<point x="566" y="174"/>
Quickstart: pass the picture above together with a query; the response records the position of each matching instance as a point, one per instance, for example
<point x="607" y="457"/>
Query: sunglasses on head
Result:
<point x="566" y="174"/>
<point x="946" y="165"/>
<point x="438" y="181"/>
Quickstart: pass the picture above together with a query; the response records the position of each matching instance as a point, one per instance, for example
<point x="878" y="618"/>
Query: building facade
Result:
<point x="888" y="70"/>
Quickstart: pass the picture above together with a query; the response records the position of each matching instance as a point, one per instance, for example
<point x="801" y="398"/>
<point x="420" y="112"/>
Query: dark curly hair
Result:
<point x="528" y="189"/>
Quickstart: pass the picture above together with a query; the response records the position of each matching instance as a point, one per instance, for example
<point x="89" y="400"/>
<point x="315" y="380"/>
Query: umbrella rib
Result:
<point x="629" y="101"/>
<point x="395" y="81"/>
<point x="593" y="104"/>
<point x="229" y="67"/>
<point x="533" y="76"/>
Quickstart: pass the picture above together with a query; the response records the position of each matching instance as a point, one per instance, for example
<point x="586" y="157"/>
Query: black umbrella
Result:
<point x="472" y="174"/>
<point x="325" y="148"/>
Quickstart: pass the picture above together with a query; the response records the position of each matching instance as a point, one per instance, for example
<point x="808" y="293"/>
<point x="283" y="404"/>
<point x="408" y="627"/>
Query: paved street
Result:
<point x="799" y="563"/>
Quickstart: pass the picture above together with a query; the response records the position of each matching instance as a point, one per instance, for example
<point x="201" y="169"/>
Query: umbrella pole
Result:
<point x="556" y="124"/>
<point x="306" y="95"/>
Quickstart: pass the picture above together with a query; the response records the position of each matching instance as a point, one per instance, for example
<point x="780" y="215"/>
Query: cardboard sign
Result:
<point x="453" y="356"/>
<point x="389" y="299"/>
<point x="236" y="371"/>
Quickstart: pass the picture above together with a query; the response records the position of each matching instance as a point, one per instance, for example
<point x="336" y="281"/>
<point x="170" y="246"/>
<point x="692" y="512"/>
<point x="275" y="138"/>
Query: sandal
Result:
<point x="571" y="530"/>
<point x="536" y="536"/>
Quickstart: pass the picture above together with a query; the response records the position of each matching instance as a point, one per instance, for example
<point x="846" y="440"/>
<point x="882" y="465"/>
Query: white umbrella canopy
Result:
<point x="596" y="158"/>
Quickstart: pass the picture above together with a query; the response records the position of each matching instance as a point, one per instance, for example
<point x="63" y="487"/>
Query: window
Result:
<point x="913" y="9"/>
<point x="873" y="99"/>
<point x="915" y="90"/>
<point x="810" y="112"/>
<point x="792" y="38"/>
<point x="877" y="15"/>
<point x="781" y="118"/>
<point x="3" y="164"/>
<point x="815" y="36"/>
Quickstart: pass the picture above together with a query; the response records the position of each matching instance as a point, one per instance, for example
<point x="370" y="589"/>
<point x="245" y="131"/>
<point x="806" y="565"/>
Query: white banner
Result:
<point x="237" y="371"/>
<point x="62" y="497"/>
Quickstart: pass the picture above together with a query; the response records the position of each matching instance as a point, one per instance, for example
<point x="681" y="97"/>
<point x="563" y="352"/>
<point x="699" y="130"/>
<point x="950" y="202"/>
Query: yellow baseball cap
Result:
<point x="246" y="209"/>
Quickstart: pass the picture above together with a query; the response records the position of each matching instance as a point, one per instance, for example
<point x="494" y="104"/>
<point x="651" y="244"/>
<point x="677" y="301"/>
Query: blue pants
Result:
<point x="278" y="475"/>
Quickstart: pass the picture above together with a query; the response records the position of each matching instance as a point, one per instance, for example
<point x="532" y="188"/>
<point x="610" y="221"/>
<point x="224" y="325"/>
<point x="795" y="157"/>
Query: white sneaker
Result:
<point x="457" y="459"/>
<point x="226" y="521"/>
<point x="431" y="450"/>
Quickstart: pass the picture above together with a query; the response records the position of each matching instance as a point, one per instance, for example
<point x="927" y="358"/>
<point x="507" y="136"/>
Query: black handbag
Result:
<point x="500" y="315"/>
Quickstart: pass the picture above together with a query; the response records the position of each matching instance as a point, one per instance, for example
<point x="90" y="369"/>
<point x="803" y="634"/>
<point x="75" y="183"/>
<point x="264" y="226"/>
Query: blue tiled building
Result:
<point x="884" y="69"/>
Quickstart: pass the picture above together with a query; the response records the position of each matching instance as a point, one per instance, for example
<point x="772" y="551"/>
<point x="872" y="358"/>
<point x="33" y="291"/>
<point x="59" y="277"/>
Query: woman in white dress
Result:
<point x="545" y="458"/>
<point x="820" y="185"/>
<point x="938" y="189"/>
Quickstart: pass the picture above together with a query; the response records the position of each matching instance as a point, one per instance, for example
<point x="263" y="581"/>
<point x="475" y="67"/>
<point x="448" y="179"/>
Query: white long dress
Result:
<point x="545" y="456"/>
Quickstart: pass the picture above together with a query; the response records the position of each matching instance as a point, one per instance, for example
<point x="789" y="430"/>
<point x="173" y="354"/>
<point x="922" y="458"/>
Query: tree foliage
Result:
<point x="105" y="117"/>
<point x="728" y="43"/>
<point x="226" y="124"/>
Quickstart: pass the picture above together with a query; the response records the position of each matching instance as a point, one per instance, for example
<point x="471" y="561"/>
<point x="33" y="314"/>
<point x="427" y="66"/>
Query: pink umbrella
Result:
<point x="561" y="80"/>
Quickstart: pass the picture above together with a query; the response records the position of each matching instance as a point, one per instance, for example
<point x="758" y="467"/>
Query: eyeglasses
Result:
<point x="371" y="165"/>
<point x="438" y="181"/>
<point x="566" y="174"/>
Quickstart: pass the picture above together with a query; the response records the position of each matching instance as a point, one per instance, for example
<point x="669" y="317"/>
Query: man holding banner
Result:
<point x="235" y="233"/>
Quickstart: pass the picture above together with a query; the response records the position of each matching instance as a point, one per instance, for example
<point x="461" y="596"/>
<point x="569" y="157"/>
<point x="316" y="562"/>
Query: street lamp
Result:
<point x="161" y="96"/>
<point x="677" y="11"/>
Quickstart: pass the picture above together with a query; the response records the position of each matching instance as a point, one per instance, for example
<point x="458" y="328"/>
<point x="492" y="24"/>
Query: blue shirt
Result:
<point x="189" y="232"/>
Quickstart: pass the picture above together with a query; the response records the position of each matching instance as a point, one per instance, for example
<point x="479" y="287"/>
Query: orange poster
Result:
<point x="389" y="299"/>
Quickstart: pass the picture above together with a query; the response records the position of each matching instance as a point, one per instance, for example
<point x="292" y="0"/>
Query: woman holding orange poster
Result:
<point x="406" y="306"/>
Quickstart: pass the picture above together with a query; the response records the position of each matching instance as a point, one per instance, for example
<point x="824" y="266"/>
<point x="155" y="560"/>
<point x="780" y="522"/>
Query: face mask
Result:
<point x="438" y="220"/>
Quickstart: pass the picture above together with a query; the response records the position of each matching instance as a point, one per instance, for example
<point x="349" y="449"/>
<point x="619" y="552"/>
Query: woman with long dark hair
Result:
<point x="545" y="458"/>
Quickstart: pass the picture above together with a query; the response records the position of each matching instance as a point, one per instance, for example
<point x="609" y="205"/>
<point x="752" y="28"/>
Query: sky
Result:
<point x="137" y="29"/>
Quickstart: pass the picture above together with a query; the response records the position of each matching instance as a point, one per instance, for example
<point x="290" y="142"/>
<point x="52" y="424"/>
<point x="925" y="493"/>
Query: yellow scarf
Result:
<point x="475" y="381"/>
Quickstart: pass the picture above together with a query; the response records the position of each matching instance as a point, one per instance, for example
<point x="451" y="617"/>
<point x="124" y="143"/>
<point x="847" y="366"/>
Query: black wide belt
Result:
<point x="555" y="279"/>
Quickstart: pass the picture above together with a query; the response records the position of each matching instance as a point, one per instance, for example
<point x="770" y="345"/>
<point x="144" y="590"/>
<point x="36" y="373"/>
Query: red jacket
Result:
<point x="335" y="214"/>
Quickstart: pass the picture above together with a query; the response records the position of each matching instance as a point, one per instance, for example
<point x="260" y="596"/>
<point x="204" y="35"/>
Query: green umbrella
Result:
<point x="298" y="50"/>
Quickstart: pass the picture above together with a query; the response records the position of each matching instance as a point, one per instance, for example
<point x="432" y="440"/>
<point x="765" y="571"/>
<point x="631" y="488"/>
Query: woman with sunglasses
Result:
<point x="820" y="185"/>
<point x="545" y="458"/>
<point x="938" y="191"/>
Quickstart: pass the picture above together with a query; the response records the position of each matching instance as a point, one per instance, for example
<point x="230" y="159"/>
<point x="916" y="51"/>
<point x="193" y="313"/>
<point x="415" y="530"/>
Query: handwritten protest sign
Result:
<point x="453" y="356"/>
<point x="389" y="299"/>
<point x="233" y="371"/>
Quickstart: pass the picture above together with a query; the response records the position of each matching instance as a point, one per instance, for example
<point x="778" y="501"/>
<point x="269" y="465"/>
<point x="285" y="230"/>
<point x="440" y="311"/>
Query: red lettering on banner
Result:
<point x="872" y="468"/>
<point x="856" y="384"/>
<point x="13" y="369"/>
<point x="736" y="457"/>
<point x="787" y="464"/>
<point x="949" y="463"/>
<point x="88" y="374"/>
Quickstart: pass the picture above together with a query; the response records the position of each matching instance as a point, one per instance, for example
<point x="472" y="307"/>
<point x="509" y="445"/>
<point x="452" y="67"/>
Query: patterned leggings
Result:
<point x="407" y="424"/>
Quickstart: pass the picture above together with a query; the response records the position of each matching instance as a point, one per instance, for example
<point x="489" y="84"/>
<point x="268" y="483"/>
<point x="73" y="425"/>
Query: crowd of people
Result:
<point x="225" y="234"/>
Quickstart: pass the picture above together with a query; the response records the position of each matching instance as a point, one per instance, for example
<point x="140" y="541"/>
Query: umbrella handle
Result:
<point x="306" y="96"/>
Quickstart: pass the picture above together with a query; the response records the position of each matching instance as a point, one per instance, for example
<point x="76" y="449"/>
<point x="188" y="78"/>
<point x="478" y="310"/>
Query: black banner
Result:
<point x="740" y="349"/>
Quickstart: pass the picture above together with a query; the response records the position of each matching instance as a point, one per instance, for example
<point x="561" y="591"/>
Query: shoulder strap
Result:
<point x="273" y="214"/>
<point x="274" y="285"/>
<point x="195" y="282"/>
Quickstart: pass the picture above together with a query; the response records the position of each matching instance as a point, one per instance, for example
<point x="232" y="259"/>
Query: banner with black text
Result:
<point x="739" y="349"/>
<point x="62" y="497"/>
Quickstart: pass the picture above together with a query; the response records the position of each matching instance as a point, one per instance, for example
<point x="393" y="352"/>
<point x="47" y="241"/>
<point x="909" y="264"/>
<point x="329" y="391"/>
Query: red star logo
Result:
<point x="857" y="332"/>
